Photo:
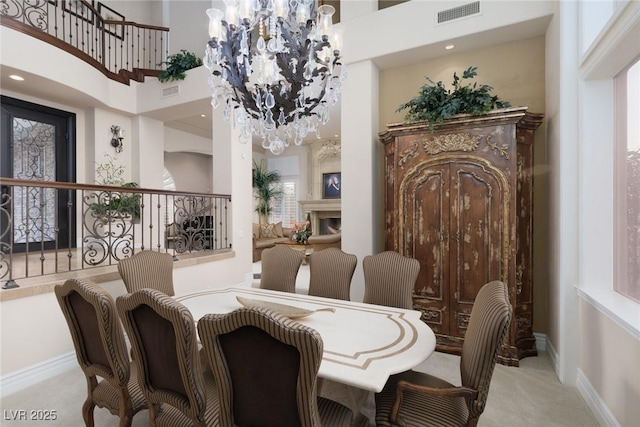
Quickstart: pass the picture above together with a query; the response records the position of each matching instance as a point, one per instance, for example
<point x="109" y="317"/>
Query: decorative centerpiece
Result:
<point x="301" y="232"/>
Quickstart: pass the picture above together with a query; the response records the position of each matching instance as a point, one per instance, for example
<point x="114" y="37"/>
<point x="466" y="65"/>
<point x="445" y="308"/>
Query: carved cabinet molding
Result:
<point x="459" y="199"/>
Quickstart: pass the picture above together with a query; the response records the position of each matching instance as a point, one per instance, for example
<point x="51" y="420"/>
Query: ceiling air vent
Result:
<point x="170" y="91"/>
<point x="459" y="12"/>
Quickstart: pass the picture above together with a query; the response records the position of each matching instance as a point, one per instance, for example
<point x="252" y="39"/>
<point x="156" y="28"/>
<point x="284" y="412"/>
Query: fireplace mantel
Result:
<point x="318" y="209"/>
<point x="320" y="205"/>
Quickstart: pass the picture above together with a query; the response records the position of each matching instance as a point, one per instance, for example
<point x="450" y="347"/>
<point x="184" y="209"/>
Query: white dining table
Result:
<point x="363" y="343"/>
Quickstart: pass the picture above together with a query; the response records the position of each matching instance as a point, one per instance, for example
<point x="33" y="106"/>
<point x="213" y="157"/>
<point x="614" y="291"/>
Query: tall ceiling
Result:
<point x="189" y="118"/>
<point x="195" y="117"/>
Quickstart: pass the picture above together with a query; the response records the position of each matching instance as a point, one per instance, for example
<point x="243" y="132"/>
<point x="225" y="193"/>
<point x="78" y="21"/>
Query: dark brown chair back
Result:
<point x="266" y="369"/>
<point x="164" y="341"/>
<point x="101" y="351"/>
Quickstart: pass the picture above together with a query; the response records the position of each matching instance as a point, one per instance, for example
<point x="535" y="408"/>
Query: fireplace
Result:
<point x="323" y="213"/>
<point x="329" y="225"/>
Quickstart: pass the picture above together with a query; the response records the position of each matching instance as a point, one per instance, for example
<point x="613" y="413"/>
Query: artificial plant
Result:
<point x="435" y="103"/>
<point x="177" y="64"/>
<point x="115" y="204"/>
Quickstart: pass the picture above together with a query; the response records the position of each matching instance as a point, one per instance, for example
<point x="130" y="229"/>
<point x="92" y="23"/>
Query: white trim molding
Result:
<point x="541" y="341"/>
<point x="622" y="310"/>
<point x="34" y="374"/>
<point x="598" y="407"/>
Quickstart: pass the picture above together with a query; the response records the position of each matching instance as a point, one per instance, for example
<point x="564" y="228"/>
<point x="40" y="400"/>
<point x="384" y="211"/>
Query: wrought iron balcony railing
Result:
<point x="54" y="227"/>
<point x="121" y="49"/>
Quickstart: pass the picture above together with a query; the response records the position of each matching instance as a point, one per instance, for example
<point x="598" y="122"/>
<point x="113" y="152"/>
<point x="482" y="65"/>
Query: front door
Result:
<point x="37" y="144"/>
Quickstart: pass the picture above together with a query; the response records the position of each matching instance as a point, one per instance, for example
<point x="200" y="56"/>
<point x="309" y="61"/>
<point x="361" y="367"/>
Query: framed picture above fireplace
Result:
<point x="331" y="184"/>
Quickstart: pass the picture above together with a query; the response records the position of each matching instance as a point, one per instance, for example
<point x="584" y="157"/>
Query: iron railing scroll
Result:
<point x="103" y="225"/>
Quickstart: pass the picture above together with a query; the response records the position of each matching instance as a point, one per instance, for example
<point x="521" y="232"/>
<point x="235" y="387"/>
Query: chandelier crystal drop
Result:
<point x="275" y="69"/>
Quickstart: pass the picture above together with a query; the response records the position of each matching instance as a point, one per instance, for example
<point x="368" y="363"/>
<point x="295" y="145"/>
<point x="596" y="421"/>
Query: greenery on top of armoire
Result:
<point x="435" y="103"/>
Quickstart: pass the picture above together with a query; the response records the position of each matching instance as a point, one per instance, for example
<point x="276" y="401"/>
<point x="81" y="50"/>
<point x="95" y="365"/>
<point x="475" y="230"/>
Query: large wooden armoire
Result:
<point x="459" y="199"/>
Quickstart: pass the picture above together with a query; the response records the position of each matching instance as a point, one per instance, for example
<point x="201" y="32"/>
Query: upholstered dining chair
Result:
<point x="91" y="315"/>
<point x="389" y="279"/>
<point x="280" y="266"/>
<point x="330" y="273"/>
<point x="417" y="399"/>
<point x="163" y="338"/>
<point x="266" y="368"/>
<point x="148" y="269"/>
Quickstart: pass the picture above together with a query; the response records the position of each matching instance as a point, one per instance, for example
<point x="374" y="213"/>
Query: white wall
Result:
<point x="190" y="171"/>
<point x="189" y="26"/>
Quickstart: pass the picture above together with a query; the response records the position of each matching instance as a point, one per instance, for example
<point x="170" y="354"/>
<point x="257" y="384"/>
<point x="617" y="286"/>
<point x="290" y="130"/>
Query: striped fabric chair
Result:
<point x="101" y="351"/>
<point x="163" y="337"/>
<point x="331" y="271"/>
<point x="417" y="399"/>
<point x="266" y="368"/>
<point x="280" y="265"/>
<point x="389" y="279"/>
<point x="148" y="269"/>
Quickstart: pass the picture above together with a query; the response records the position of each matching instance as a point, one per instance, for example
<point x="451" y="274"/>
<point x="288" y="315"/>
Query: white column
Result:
<point x="562" y="138"/>
<point x="362" y="194"/>
<point x="147" y="143"/>
<point x="232" y="175"/>
<point x="223" y="137"/>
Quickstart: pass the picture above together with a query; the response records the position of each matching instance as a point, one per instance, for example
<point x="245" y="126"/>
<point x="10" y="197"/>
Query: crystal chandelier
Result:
<point x="279" y="88"/>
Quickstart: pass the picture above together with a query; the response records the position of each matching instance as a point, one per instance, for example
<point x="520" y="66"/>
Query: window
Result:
<point x="286" y="208"/>
<point x="627" y="195"/>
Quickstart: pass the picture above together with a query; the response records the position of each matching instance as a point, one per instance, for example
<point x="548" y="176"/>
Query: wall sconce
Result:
<point x="118" y="136"/>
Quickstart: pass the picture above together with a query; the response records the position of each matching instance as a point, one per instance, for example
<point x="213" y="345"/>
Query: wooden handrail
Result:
<point x="89" y="225"/>
<point x="111" y="46"/>
<point x="135" y="24"/>
<point x="95" y="187"/>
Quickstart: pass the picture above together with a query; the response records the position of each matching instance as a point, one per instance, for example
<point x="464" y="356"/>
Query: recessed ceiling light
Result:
<point x="203" y="115"/>
<point x="450" y="46"/>
<point x="16" y="77"/>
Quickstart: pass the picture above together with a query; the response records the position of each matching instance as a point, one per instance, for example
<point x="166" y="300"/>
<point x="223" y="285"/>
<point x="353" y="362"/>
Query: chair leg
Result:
<point x="87" y="412"/>
<point x="126" y="411"/>
<point x="88" y="406"/>
<point x="154" y="408"/>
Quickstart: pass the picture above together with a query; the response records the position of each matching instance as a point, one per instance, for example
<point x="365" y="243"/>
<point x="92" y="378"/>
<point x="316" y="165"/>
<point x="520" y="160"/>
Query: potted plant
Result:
<point x="115" y="204"/>
<point x="266" y="189"/>
<point x="177" y="64"/>
<point x="435" y="103"/>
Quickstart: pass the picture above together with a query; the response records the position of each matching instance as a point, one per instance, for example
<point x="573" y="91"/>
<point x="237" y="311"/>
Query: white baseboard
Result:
<point x="589" y="394"/>
<point x="553" y="355"/>
<point x="541" y="341"/>
<point x="26" y="377"/>
<point x="594" y="401"/>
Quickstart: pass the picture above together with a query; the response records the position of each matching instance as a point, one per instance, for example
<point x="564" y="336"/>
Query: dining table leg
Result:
<point x="357" y="400"/>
